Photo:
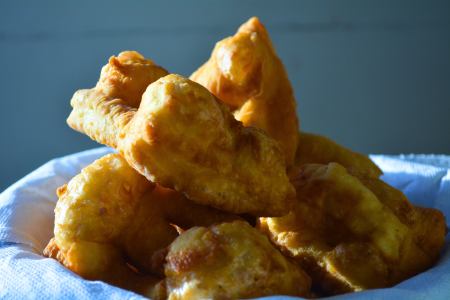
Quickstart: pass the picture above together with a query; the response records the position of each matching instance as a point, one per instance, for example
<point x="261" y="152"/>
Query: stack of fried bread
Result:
<point x="215" y="194"/>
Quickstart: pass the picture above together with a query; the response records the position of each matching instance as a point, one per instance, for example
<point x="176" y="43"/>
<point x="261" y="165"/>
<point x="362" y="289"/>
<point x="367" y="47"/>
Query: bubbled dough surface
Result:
<point x="352" y="232"/>
<point x="230" y="261"/>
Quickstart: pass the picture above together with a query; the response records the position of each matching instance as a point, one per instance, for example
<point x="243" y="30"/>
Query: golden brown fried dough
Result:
<point x="351" y="232"/>
<point x="103" y="111"/>
<point x="110" y="216"/>
<point x="183" y="137"/>
<point x="106" y="264"/>
<point x="245" y="72"/>
<point x="93" y="214"/>
<point x="230" y="261"/>
<point x="314" y="148"/>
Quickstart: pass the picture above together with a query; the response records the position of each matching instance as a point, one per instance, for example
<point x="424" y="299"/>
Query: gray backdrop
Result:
<point x="372" y="75"/>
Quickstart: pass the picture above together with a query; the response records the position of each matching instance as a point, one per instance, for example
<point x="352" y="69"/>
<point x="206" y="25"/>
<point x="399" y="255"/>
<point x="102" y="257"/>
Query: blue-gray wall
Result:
<point x="372" y="75"/>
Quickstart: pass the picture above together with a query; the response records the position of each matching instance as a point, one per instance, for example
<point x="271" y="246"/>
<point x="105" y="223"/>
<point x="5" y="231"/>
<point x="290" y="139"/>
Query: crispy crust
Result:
<point x="230" y="261"/>
<point x="245" y="72"/>
<point x="351" y="232"/>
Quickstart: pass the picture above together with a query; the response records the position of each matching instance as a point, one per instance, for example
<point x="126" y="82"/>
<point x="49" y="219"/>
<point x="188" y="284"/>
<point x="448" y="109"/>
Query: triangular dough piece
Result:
<point x="245" y="72"/>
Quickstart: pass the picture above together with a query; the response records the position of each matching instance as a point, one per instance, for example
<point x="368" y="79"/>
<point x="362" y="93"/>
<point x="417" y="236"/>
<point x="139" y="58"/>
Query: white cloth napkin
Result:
<point x="26" y="226"/>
